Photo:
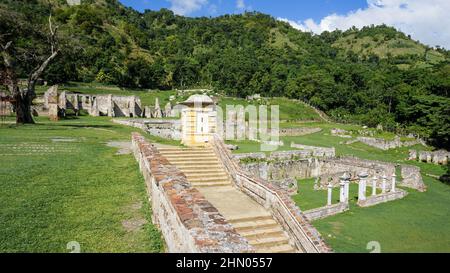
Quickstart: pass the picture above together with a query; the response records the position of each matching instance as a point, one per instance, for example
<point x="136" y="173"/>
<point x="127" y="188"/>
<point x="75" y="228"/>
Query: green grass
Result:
<point x="81" y="191"/>
<point x="289" y="110"/>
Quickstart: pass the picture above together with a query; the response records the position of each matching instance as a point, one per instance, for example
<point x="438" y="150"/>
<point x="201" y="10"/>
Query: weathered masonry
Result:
<point x="188" y="222"/>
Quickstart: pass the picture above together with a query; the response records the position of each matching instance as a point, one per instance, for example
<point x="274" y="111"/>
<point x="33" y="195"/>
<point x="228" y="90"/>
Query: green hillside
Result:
<point x="387" y="43"/>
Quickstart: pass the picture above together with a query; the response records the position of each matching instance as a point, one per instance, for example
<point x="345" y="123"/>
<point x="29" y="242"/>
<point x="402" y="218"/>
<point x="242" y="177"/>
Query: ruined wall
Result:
<point x="278" y="202"/>
<point x="326" y="169"/>
<point x="440" y="157"/>
<point x="388" y="144"/>
<point x="300" y="131"/>
<point x="169" y="129"/>
<point x="382" y="198"/>
<point x="412" y="178"/>
<point x="323" y="212"/>
<point x="188" y="222"/>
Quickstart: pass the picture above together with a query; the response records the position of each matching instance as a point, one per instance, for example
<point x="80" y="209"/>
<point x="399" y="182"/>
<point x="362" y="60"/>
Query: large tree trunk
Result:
<point x="23" y="109"/>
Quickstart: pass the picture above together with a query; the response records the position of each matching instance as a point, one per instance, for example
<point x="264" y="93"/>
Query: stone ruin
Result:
<point x="280" y="166"/>
<point x="57" y="104"/>
<point x="340" y="133"/>
<point x="440" y="157"/>
<point x="385" y="145"/>
<point x="299" y="131"/>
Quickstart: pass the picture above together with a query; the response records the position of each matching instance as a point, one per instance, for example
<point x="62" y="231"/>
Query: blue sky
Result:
<point x="297" y="10"/>
<point x="425" y="20"/>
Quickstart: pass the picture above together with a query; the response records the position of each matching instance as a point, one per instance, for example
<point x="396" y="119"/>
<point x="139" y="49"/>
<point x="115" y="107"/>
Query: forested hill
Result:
<point x="371" y="76"/>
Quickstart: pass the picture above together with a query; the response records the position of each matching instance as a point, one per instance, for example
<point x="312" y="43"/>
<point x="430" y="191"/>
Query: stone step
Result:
<point x="193" y="162"/>
<point x="183" y="155"/>
<point x="175" y="149"/>
<point x="191" y="157"/>
<point x="246" y="226"/>
<point x="210" y="184"/>
<point x="212" y="171"/>
<point x="209" y="180"/>
<point x="194" y="159"/>
<point x="269" y="241"/>
<point x="199" y="152"/>
<point x="286" y="248"/>
<point x="201" y="176"/>
<point x="202" y="168"/>
<point x="263" y="232"/>
<point x="250" y="219"/>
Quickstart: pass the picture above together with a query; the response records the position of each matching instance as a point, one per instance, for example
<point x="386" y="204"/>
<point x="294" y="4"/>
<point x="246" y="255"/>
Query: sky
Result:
<point x="425" y="20"/>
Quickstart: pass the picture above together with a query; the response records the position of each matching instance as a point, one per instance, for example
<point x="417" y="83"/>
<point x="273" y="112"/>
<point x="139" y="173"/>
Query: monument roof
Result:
<point x="203" y="99"/>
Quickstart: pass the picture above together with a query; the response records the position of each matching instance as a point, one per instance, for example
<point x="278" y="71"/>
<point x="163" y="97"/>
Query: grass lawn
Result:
<point x="61" y="183"/>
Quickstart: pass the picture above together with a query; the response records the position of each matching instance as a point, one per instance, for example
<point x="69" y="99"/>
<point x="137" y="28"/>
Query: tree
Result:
<point x="23" y="97"/>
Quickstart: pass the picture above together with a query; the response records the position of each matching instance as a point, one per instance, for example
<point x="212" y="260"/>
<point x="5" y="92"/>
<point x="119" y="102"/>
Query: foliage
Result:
<point x="376" y="75"/>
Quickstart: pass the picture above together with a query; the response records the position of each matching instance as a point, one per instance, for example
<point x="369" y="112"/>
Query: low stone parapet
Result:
<point x="385" y="145"/>
<point x="382" y="198"/>
<point x="170" y="129"/>
<point x="323" y="212"/>
<point x="188" y="222"/>
<point x="299" y="131"/>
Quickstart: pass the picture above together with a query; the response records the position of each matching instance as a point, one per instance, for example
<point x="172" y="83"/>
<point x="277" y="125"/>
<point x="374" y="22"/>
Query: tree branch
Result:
<point x="36" y="73"/>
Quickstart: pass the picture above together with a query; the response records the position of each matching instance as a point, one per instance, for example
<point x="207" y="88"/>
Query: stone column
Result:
<point x="362" y="186"/>
<point x="374" y="186"/>
<point x="342" y="190"/>
<point x="347" y="187"/>
<point x="330" y="194"/>
<point x="110" y="106"/>
<point x="383" y="184"/>
<point x="393" y="182"/>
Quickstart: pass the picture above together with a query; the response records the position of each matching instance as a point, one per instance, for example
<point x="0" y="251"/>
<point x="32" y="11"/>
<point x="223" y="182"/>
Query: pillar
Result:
<point x="347" y="187"/>
<point x="342" y="190"/>
<point x="330" y="194"/>
<point x="362" y="186"/>
<point x="374" y="186"/>
<point x="383" y="184"/>
<point x="393" y="182"/>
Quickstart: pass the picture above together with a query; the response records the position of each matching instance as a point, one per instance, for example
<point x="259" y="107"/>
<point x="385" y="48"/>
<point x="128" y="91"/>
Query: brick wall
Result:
<point x="188" y="222"/>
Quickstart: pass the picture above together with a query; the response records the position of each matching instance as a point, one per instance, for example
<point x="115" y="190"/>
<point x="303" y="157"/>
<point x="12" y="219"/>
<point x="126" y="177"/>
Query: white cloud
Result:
<point x="427" y="21"/>
<point x="185" y="7"/>
<point x="240" y="4"/>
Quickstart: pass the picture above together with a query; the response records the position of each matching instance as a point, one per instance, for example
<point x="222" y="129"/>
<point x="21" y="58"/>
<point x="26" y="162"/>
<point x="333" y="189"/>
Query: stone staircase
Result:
<point x="205" y="172"/>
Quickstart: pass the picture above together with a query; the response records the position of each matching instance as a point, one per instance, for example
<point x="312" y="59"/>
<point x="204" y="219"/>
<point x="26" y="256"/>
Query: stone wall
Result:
<point x="103" y="105"/>
<point x="323" y="212"/>
<point x="316" y="151"/>
<point x="169" y="129"/>
<point x="283" y="209"/>
<point x="440" y="157"/>
<point x="188" y="222"/>
<point x="412" y="178"/>
<point x="326" y="169"/>
<point x="300" y="131"/>
<point x="384" y="144"/>
<point x="382" y="198"/>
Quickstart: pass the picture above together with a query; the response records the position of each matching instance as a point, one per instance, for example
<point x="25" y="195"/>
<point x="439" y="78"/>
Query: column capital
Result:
<point x="363" y="175"/>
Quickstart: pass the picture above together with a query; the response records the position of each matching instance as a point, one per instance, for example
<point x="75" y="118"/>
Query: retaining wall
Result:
<point x="188" y="222"/>
<point x="326" y="211"/>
